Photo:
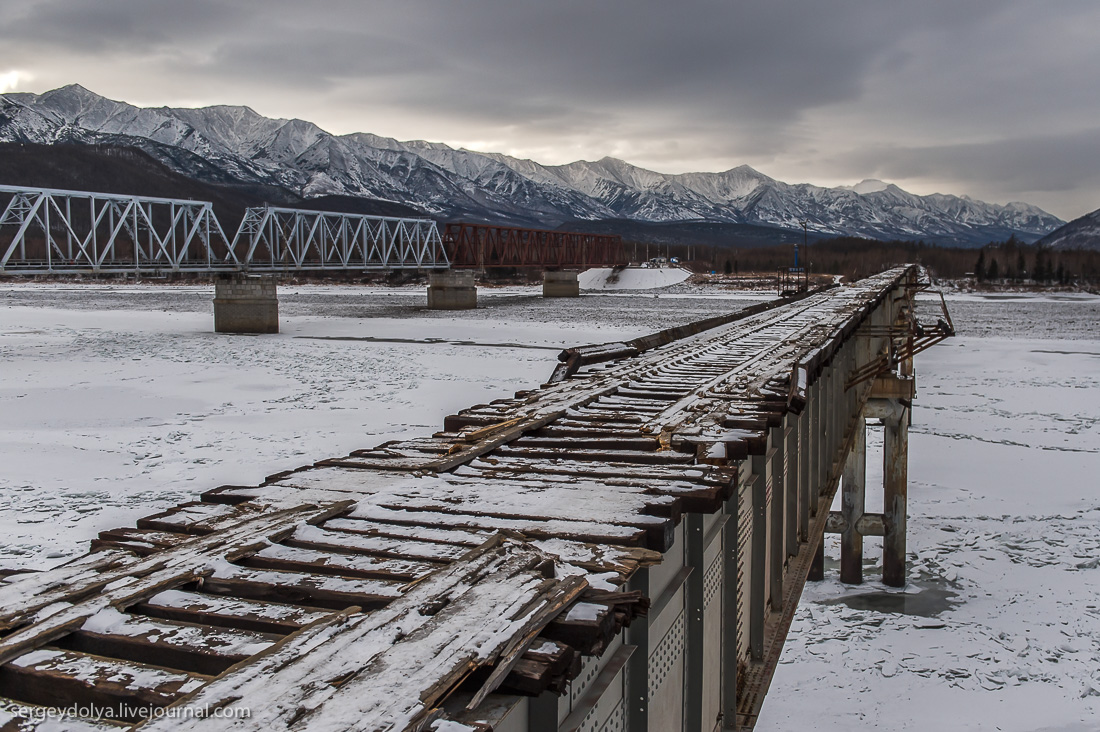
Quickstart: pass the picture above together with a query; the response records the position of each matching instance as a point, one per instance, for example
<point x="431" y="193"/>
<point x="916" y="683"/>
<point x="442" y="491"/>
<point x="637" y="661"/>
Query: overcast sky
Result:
<point x="997" y="99"/>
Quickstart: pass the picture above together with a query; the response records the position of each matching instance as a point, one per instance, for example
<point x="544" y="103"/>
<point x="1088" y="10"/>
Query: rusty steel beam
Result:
<point x="479" y="246"/>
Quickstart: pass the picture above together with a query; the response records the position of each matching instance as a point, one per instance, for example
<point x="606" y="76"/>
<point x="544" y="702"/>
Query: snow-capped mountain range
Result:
<point x="227" y="143"/>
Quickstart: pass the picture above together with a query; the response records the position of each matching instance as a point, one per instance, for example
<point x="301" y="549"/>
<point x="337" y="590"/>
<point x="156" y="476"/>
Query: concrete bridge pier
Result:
<point x="245" y="304"/>
<point x="895" y="497"/>
<point x="452" y="290"/>
<point x="894" y="414"/>
<point x="560" y="284"/>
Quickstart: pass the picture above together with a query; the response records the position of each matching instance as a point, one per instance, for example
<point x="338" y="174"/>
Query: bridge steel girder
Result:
<point x="53" y="231"/>
<point x="479" y="246"/>
<point x="46" y="231"/>
<point x="273" y="239"/>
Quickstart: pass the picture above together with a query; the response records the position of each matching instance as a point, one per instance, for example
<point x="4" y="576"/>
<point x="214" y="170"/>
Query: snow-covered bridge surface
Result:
<point x="461" y="576"/>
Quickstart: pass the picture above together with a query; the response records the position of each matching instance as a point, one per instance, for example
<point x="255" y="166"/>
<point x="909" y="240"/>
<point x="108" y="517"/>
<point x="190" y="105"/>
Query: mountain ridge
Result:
<point x="235" y="142"/>
<point x="1081" y="233"/>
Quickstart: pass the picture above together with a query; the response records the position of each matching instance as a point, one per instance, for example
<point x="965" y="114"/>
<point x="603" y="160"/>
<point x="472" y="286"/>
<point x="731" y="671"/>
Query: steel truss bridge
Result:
<point x="47" y="231"/>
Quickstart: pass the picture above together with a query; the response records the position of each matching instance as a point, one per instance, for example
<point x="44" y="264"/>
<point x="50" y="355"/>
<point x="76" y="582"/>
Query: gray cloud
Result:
<point x="804" y="90"/>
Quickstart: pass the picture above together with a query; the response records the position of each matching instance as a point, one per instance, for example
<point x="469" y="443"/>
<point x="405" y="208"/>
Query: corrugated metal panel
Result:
<point x="666" y="678"/>
<point x="712" y="644"/>
<point x="768" y="488"/>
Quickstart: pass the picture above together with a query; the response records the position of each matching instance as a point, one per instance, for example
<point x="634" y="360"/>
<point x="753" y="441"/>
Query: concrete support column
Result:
<point x="245" y="304"/>
<point x="560" y="284"/>
<point x="853" y="496"/>
<point x="895" y="491"/>
<point x="452" y="290"/>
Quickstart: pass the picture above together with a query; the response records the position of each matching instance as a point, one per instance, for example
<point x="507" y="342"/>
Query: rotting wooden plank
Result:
<point x="313" y="537"/>
<point x="574" y="501"/>
<point x="49" y="604"/>
<point x="57" y="678"/>
<point x="299" y="588"/>
<point x="298" y="559"/>
<point x="700" y="473"/>
<point x="631" y="443"/>
<point x="664" y="457"/>
<point x="583" y="531"/>
<point x="228" y="612"/>
<point x="692" y="497"/>
<point x="194" y="518"/>
<point x="657" y="530"/>
<point x="153" y="537"/>
<point x="181" y="646"/>
<point x="388" y="669"/>
<point x="458" y="537"/>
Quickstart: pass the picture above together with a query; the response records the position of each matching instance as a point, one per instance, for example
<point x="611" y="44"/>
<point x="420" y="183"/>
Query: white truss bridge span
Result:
<point x="48" y="231"/>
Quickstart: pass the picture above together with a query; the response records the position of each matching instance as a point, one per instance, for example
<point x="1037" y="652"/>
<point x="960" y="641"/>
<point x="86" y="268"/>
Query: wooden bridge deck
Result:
<point x="402" y="585"/>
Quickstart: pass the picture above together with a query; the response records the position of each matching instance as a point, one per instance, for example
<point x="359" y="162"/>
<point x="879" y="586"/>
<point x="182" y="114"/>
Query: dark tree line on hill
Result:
<point x="1007" y="262"/>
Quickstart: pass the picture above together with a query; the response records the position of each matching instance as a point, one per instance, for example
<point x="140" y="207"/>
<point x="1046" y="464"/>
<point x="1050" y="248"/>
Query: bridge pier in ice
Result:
<point x="245" y="304"/>
<point x="452" y="290"/>
<point x="560" y="284"/>
<point x="887" y="397"/>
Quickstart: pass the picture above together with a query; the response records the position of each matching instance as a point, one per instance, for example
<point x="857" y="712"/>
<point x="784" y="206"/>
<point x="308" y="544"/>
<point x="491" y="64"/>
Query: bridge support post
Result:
<point x="777" y="556"/>
<point x="817" y="566"/>
<point x="805" y="509"/>
<point x="452" y="290"/>
<point x="245" y="304"/>
<point x="560" y="284"/>
<point x="853" y="503"/>
<point x="637" y="668"/>
<point x="758" y="578"/>
<point x="895" y="495"/>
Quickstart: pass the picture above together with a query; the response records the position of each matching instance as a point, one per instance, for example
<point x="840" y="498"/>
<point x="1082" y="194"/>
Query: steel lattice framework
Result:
<point x="76" y="231"/>
<point x="280" y="239"/>
<point x="480" y="246"/>
<point x="46" y="231"/>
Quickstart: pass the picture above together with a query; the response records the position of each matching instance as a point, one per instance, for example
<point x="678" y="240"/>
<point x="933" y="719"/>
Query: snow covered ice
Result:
<point x="118" y="401"/>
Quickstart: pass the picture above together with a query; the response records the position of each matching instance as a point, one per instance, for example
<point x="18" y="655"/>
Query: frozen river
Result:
<point x="116" y="401"/>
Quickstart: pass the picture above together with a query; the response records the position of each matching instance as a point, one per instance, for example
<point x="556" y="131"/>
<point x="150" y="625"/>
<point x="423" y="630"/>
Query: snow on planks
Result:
<point x="355" y="593"/>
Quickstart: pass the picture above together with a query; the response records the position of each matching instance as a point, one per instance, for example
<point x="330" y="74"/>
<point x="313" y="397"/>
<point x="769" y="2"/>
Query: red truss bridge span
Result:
<point x="479" y="246"/>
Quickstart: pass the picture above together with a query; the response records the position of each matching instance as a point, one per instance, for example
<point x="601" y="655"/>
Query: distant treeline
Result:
<point x="1008" y="262"/>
